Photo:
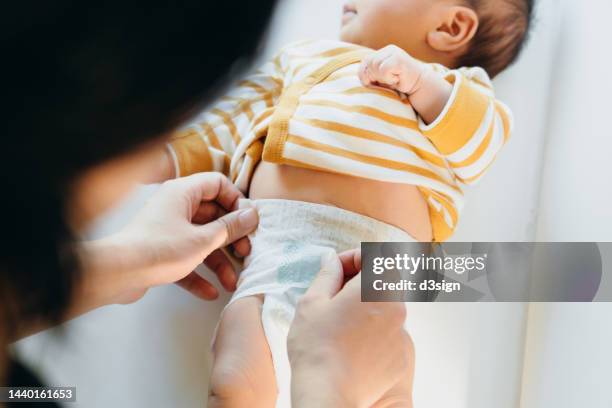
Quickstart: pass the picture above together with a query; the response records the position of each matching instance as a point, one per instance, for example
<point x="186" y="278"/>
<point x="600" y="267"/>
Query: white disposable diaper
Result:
<point x="286" y="254"/>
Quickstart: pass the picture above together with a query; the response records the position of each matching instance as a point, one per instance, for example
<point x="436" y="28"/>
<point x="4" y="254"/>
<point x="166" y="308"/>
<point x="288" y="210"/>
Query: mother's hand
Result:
<point x="184" y="224"/>
<point x="351" y="353"/>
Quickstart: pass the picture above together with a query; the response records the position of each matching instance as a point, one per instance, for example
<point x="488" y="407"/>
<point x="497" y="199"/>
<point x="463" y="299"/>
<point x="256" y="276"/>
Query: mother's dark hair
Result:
<point x="83" y="83"/>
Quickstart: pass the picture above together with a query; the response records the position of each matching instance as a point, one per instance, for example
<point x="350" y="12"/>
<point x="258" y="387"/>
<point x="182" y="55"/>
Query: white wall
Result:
<point x="504" y="206"/>
<point x="568" y="357"/>
<point x="577" y="190"/>
<point x="568" y="354"/>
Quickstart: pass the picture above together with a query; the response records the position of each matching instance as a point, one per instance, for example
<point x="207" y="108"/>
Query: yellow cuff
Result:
<point x="461" y="117"/>
<point x="192" y="154"/>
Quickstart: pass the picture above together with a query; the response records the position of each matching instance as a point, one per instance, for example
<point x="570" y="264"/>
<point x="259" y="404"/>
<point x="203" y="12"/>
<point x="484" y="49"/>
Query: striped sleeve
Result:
<point x="209" y="143"/>
<point x="472" y="128"/>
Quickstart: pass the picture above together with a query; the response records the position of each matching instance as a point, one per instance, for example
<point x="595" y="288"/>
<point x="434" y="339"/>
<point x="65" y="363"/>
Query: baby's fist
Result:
<point x="392" y="67"/>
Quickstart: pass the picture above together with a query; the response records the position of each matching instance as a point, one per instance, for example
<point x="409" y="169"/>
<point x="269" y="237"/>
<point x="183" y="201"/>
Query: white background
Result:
<point x="551" y="183"/>
<point x="568" y="355"/>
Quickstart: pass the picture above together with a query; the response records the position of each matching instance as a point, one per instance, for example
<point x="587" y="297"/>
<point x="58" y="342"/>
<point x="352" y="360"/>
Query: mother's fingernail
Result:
<point x="330" y="261"/>
<point x="245" y="203"/>
<point x="249" y="218"/>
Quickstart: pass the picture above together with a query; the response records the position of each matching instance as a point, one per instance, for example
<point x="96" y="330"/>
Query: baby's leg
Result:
<point x="243" y="373"/>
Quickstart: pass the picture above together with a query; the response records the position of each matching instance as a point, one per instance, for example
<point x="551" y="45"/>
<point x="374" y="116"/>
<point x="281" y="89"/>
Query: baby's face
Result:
<point x="378" y="23"/>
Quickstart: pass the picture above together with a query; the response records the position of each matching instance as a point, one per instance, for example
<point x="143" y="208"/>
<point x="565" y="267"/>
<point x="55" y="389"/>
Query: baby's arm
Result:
<point x="461" y="116"/>
<point x="209" y="143"/>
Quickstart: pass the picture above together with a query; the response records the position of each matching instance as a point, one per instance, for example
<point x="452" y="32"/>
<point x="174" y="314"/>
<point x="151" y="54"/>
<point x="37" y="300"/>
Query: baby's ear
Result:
<point x="456" y="28"/>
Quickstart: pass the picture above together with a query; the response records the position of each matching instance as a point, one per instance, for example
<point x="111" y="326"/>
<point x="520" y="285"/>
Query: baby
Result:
<point x="335" y="143"/>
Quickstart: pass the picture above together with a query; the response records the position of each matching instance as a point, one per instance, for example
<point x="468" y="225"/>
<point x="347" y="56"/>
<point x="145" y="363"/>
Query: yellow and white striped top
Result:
<point x="308" y="108"/>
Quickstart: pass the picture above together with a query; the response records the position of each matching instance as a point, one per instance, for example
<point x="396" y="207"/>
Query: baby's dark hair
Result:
<point x="501" y="36"/>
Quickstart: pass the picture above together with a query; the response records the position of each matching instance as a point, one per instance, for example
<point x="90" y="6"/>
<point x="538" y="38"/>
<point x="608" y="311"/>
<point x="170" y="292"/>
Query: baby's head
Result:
<point x="455" y="33"/>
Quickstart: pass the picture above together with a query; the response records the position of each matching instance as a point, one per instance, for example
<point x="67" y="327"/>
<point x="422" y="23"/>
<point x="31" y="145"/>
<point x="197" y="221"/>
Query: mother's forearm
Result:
<point x="112" y="271"/>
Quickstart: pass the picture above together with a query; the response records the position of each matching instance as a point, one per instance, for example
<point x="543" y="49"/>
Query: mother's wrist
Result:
<point x="110" y="268"/>
<point x="317" y="380"/>
<point x="313" y="386"/>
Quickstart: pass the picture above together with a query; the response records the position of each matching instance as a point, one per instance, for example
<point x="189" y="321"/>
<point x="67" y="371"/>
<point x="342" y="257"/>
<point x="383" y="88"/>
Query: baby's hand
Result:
<point x="392" y="67"/>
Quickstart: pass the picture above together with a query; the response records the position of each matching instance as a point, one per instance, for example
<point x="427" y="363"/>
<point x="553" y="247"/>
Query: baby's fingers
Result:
<point x="364" y="73"/>
<point x="389" y="71"/>
<point x="378" y="70"/>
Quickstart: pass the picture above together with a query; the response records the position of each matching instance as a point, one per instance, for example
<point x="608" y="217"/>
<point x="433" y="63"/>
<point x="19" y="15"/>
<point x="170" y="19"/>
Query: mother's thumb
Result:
<point x="329" y="280"/>
<point x="230" y="228"/>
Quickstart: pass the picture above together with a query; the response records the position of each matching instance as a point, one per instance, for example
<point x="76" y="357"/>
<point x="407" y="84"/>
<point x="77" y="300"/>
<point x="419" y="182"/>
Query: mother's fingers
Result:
<point x="228" y="229"/>
<point x="207" y="211"/>
<point x="217" y="187"/>
<point x="210" y="211"/>
<point x="220" y="264"/>
<point x="209" y="187"/>
<point x="242" y="247"/>
<point x="351" y="262"/>
<point x="198" y="286"/>
<point x="351" y="291"/>
<point x="329" y="279"/>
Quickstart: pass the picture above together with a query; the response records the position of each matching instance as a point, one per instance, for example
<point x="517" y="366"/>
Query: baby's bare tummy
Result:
<point x="397" y="204"/>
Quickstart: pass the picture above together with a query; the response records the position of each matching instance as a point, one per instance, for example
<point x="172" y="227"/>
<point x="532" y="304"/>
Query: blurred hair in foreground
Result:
<point x="85" y="82"/>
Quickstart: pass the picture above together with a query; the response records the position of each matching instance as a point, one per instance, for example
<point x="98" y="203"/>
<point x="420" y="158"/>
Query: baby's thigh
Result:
<point x="243" y="373"/>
